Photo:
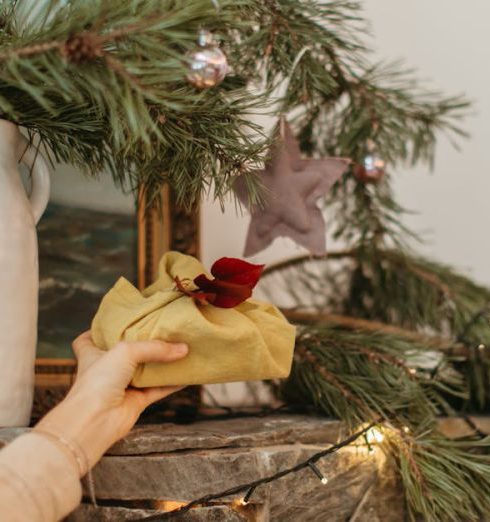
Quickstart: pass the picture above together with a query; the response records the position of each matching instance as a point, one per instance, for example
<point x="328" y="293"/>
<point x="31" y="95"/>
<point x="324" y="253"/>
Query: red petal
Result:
<point x="227" y="295"/>
<point x="237" y="271"/>
<point x="204" y="297"/>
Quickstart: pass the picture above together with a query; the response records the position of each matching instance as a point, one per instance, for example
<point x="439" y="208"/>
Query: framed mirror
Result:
<point x="90" y="235"/>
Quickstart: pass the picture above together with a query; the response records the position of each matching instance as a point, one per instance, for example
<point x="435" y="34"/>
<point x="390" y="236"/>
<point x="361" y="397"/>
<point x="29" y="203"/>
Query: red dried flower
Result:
<point x="234" y="280"/>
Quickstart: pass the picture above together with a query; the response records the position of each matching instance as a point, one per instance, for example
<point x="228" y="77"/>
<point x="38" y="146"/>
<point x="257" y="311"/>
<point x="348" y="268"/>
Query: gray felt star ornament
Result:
<point x="292" y="188"/>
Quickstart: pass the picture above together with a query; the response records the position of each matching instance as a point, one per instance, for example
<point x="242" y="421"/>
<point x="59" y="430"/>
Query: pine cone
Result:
<point x="82" y="48"/>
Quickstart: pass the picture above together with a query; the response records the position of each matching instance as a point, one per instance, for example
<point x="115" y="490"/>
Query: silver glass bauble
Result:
<point x="208" y="65"/>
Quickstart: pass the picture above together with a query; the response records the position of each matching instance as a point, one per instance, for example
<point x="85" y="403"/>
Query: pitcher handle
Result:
<point x="40" y="179"/>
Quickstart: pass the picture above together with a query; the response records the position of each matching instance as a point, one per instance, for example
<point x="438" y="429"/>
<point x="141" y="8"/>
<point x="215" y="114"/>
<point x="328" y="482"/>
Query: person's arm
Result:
<point x="40" y="472"/>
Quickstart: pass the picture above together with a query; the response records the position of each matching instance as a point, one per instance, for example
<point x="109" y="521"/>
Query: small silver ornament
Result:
<point x="208" y="65"/>
<point x="372" y="168"/>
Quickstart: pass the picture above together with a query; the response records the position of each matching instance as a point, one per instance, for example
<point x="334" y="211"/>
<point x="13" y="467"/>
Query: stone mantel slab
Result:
<point x="158" y="465"/>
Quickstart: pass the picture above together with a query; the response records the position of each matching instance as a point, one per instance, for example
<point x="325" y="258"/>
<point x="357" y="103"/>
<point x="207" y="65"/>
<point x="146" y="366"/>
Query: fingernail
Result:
<point x="181" y="349"/>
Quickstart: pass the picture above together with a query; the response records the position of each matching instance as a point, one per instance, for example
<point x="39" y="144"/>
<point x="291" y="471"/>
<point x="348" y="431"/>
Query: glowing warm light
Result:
<point x="412" y="371"/>
<point x="244" y="501"/>
<point x="324" y="480"/>
<point x="374" y="436"/>
<point x="168" y="505"/>
<point x="406" y="429"/>
<point x="239" y="503"/>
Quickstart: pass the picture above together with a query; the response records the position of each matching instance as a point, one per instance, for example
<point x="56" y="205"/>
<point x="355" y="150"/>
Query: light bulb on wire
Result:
<point x="318" y="473"/>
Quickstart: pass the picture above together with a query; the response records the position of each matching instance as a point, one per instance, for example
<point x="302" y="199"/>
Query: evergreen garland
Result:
<point x="102" y="84"/>
<point x="407" y="371"/>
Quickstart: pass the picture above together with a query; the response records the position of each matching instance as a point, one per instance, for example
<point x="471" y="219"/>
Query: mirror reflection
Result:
<point x="87" y="240"/>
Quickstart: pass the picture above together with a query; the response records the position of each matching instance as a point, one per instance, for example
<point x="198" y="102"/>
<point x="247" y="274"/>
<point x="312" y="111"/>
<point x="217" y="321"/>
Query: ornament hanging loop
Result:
<point x="288" y="80"/>
<point x="205" y="38"/>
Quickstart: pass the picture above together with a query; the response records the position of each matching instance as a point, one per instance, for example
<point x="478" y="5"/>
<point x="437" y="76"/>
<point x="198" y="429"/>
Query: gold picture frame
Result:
<point x="174" y="228"/>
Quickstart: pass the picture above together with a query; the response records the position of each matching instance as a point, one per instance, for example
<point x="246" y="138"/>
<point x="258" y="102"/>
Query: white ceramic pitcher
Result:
<point x="19" y="272"/>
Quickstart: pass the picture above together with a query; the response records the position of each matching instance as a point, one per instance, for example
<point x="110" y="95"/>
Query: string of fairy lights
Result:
<point x="370" y="433"/>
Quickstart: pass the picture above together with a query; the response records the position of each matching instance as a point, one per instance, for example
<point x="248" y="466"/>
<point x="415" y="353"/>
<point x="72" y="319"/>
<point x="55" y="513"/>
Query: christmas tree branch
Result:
<point x="370" y="378"/>
<point x="404" y="280"/>
<point x="356" y="324"/>
<point x="378" y="360"/>
<point x="394" y="293"/>
<point x="436" y="491"/>
<point x="113" y="75"/>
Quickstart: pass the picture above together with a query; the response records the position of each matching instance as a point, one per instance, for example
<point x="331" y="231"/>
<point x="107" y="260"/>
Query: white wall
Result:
<point x="69" y="187"/>
<point x="449" y="42"/>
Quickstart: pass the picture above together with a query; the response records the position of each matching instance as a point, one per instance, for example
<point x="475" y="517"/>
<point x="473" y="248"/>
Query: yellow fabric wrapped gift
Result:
<point x="252" y="341"/>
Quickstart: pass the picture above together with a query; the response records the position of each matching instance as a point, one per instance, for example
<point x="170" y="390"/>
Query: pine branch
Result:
<point x="394" y="290"/>
<point x="449" y="346"/>
<point x="122" y="67"/>
<point x="389" y="286"/>
<point x="359" y="375"/>
<point x="102" y="83"/>
<point x="452" y="479"/>
<point x="355" y="375"/>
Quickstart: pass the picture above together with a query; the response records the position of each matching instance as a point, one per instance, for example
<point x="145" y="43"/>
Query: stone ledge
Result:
<point x="203" y="471"/>
<point x="208" y="434"/>
<point x="239" y="432"/>
<point x="244" y="432"/>
<point x="177" y="463"/>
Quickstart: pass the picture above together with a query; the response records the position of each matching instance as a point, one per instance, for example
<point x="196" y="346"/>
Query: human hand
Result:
<point x="100" y="408"/>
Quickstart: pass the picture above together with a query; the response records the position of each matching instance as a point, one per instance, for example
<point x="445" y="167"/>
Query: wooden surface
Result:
<point x="171" y="228"/>
<point x="157" y="467"/>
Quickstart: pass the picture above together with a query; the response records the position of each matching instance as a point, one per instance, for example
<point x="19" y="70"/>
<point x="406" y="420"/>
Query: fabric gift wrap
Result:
<point x="251" y="341"/>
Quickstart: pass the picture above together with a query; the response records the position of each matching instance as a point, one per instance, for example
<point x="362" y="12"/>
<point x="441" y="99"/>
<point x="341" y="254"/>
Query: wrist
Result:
<point x="78" y="424"/>
<point x="67" y="446"/>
